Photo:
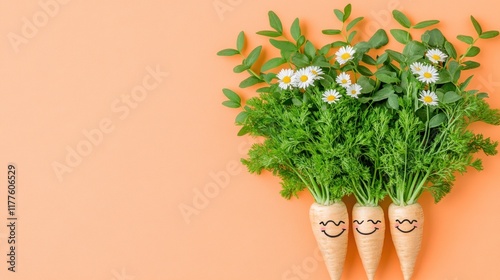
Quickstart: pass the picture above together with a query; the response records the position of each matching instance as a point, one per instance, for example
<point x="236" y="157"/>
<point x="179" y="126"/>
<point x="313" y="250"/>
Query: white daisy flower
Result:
<point x="354" y="90"/>
<point x="303" y="78"/>
<point x="428" y="98"/>
<point x="345" y="54"/>
<point x="428" y="74"/>
<point x="285" y="77"/>
<point x="343" y="79"/>
<point x="435" y="55"/>
<point x="416" y="67"/>
<point x="331" y="96"/>
<point x="316" y="71"/>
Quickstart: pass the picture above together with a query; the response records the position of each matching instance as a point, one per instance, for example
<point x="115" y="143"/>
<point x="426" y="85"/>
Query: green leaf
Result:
<point x="339" y="14"/>
<point x="338" y="44"/>
<point x="401" y="36"/>
<point x="283" y="45"/>
<point x="396" y="56"/>
<point x="241" y="117"/>
<point x="489" y="34"/>
<point x="310" y="50"/>
<point x="250" y="81"/>
<point x="383" y="77"/>
<point x="454" y="70"/>
<point x="477" y="26"/>
<point x="366" y="84"/>
<point x="295" y="29"/>
<point x="296" y="102"/>
<point x="364" y="71"/>
<point x="466" y="39"/>
<point x="384" y="93"/>
<point x="264" y="89"/>
<point x="244" y="130"/>
<point x="473" y="51"/>
<point x="331" y="31"/>
<point x="378" y="39"/>
<point x="240" y="42"/>
<point x="253" y="56"/>
<point x="401" y="18"/>
<point x="325" y="49"/>
<point x="269" y="33"/>
<point x="231" y="104"/>
<point x="362" y="47"/>
<point x="426" y="23"/>
<point x="435" y="38"/>
<point x="301" y="41"/>
<point x="414" y="48"/>
<point x="444" y="77"/>
<point x="347" y="12"/>
<point x="351" y="36"/>
<point x="369" y="60"/>
<point x="482" y="95"/>
<point x="275" y="22"/>
<point x="300" y="60"/>
<point x="228" y="52"/>
<point x="450" y="50"/>
<point x="437" y="120"/>
<point x="240" y="68"/>
<point x="268" y="77"/>
<point x="392" y="101"/>
<point x="353" y="23"/>
<point x="382" y="58"/>
<point x="272" y="63"/>
<point x="451" y="97"/>
<point x="470" y="65"/>
<point x="466" y="83"/>
<point x="231" y="95"/>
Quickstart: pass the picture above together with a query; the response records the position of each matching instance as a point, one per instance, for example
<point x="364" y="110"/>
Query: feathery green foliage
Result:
<point x="400" y="129"/>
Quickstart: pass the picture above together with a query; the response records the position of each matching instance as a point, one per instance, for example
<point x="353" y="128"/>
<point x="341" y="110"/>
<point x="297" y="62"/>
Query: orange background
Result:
<point x="117" y="214"/>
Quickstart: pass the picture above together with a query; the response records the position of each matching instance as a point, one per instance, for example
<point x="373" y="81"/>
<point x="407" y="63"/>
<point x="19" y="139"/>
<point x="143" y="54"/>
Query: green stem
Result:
<point x="418" y="190"/>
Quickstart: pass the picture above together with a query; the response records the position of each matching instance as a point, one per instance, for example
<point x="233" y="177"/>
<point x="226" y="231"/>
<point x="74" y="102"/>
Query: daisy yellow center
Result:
<point x="436" y="57"/>
<point x="353" y="91"/>
<point x="287" y="79"/>
<point x="428" y="99"/>
<point x="314" y="72"/>
<point x="417" y="68"/>
<point x="304" y="78"/>
<point x="344" y="81"/>
<point x="331" y="98"/>
<point x="427" y="75"/>
<point x="345" y="56"/>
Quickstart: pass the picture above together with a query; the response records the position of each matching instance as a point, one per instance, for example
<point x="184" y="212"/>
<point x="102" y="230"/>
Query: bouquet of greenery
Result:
<point x="339" y="120"/>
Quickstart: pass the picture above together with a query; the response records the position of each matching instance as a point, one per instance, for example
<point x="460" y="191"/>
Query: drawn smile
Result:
<point x="368" y="232"/>
<point x="336" y="224"/>
<point x="333" y="236"/>
<point x="406" y="220"/>
<point x="371" y="221"/>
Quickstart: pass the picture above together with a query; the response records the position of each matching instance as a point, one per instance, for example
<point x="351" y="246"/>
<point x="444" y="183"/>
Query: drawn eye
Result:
<point x="378" y="221"/>
<point x="323" y="229"/>
<point x="356" y="221"/>
<point x="410" y="223"/>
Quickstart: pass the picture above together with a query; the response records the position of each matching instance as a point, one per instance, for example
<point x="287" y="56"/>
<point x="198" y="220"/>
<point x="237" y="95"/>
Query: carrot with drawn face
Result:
<point x="407" y="227"/>
<point x="369" y="232"/>
<point x="330" y="225"/>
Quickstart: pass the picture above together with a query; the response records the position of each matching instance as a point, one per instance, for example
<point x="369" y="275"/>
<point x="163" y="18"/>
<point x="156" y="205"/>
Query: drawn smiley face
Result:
<point x="375" y="228"/>
<point x="406" y="229"/>
<point x="323" y="228"/>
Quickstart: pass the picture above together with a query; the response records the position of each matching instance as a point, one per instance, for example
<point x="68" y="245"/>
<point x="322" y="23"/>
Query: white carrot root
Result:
<point x="407" y="227"/>
<point x="330" y="225"/>
<point x="369" y="233"/>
